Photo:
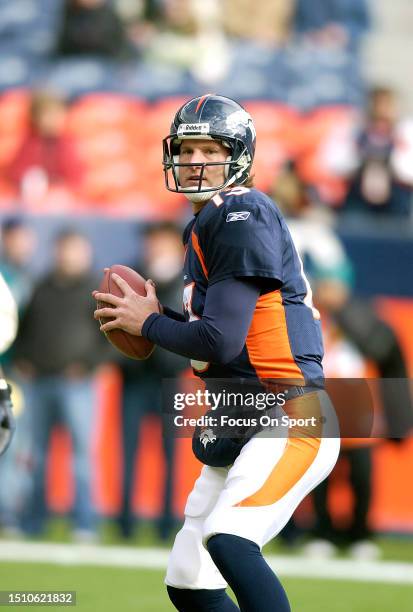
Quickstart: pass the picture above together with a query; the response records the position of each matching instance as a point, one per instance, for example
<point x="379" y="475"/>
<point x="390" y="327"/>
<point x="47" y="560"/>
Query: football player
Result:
<point x="248" y="315"/>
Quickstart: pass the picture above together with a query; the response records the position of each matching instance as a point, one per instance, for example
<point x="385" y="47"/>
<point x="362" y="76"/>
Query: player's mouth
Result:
<point x="194" y="179"/>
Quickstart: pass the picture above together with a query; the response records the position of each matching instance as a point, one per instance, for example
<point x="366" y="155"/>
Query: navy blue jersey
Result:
<point x="241" y="233"/>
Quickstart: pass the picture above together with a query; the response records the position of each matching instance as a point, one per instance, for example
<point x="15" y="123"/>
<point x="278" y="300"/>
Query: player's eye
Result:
<point x="211" y="151"/>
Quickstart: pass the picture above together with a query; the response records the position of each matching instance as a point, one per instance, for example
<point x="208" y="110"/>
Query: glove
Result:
<point x="7" y="422"/>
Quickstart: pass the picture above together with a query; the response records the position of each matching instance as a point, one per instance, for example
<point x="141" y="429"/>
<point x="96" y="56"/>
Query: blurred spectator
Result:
<point x="374" y="159"/>
<point x="258" y="20"/>
<point x="47" y="158"/>
<point x="141" y="20"/>
<point x="338" y="23"/>
<point x="58" y="349"/>
<point x="92" y="27"/>
<point x="309" y="222"/>
<point x="191" y="36"/>
<point x="141" y="394"/>
<point x="178" y="16"/>
<point x="354" y="338"/>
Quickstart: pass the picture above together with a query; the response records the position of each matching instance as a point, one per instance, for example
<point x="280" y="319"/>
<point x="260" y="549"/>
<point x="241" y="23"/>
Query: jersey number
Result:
<point x="199" y="366"/>
<point x="238" y="190"/>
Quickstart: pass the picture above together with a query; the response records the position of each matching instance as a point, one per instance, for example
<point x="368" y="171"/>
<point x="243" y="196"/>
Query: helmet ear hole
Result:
<point x="175" y="167"/>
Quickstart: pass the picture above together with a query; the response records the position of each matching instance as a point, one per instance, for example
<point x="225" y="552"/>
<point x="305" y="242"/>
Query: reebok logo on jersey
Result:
<point x="241" y="215"/>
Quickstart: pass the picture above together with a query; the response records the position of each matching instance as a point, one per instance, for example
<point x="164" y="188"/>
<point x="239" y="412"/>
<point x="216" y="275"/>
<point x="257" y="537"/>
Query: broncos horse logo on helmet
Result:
<point x="211" y="117"/>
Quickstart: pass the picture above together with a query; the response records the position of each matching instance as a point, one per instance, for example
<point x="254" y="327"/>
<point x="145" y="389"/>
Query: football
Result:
<point x="132" y="346"/>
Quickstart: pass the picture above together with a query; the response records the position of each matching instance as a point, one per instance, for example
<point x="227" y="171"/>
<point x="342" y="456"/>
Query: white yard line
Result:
<point x="390" y="572"/>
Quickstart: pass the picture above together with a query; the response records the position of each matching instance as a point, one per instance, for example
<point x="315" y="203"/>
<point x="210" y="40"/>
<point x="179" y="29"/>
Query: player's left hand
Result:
<point x="130" y="311"/>
<point x="7" y="422"/>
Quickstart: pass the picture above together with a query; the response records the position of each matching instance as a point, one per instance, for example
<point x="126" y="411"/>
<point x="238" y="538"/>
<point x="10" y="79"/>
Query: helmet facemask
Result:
<point x="236" y="166"/>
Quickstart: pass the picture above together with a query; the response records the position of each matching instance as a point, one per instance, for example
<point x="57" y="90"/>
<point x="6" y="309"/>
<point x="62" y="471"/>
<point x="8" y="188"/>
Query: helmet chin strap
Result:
<point x="200" y="196"/>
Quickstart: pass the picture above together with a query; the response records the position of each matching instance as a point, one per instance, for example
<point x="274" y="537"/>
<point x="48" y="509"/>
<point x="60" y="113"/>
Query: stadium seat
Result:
<point x="15" y="70"/>
<point x="96" y="112"/>
<point x="76" y="77"/>
<point x="155" y="127"/>
<point x="29" y="26"/>
<point x="159" y="117"/>
<point x="277" y="139"/>
<point x="106" y="130"/>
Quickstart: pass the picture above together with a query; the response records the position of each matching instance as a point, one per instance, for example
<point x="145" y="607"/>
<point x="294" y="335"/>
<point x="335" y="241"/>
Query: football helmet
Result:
<point x="7" y="422"/>
<point x="211" y="117"/>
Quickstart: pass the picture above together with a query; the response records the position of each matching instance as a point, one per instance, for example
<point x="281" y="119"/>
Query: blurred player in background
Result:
<point x="18" y="242"/>
<point x="8" y="330"/>
<point x="248" y="315"/>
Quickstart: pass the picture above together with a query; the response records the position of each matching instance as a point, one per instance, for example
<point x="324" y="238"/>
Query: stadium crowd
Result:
<point x="100" y="79"/>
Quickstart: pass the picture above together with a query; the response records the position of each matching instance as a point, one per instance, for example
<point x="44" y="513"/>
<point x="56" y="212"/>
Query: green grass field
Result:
<point x="117" y="589"/>
<point x="129" y="590"/>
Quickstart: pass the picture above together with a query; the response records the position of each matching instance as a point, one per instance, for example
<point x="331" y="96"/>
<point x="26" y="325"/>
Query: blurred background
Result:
<point x="88" y="89"/>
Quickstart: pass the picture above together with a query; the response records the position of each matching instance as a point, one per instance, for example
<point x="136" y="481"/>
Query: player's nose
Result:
<point x="198" y="158"/>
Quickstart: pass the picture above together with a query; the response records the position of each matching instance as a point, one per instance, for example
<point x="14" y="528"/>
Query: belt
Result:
<point x="297" y="391"/>
<point x="290" y="392"/>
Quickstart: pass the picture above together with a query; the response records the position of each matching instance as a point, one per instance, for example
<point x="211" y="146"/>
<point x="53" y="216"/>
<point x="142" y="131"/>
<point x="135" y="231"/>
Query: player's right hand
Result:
<point x="7" y="421"/>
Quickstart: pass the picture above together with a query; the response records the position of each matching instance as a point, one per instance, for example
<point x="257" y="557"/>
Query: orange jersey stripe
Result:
<point x="299" y="454"/>
<point x="198" y="251"/>
<point x="267" y="341"/>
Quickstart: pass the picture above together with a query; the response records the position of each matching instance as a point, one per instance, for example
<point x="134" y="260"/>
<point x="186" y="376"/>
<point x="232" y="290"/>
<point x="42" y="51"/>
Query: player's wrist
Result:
<point x="148" y="322"/>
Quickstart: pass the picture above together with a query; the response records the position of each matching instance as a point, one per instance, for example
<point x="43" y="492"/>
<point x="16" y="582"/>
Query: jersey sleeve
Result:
<point x="243" y="240"/>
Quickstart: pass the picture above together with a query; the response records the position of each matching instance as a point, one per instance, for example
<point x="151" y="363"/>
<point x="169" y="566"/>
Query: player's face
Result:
<point x="199" y="152"/>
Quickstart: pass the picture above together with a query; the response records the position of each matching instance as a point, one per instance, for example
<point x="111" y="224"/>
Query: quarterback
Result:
<point x="248" y="316"/>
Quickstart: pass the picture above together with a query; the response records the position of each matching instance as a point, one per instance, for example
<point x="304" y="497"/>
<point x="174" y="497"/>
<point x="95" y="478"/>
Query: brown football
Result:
<point x="132" y="346"/>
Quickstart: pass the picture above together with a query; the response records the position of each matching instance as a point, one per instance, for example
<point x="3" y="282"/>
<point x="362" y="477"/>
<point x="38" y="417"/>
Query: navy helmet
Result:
<point x="211" y="117"/>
